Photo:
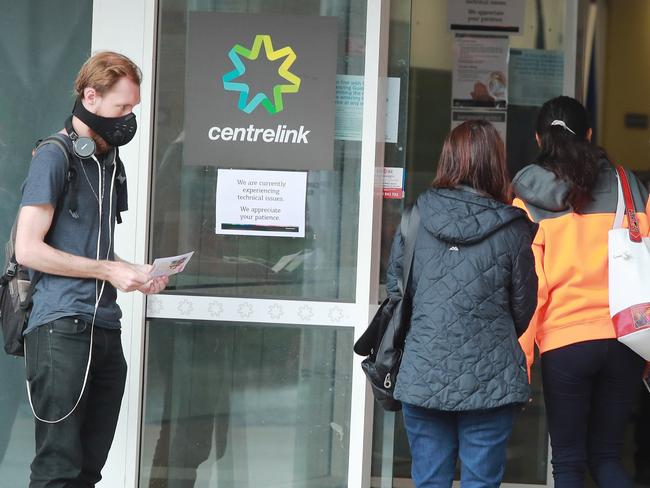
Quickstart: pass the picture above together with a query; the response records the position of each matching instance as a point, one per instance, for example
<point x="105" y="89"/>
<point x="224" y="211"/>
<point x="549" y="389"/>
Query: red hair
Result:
<point x="474" y="155"/>
<point x="103" y="70"/>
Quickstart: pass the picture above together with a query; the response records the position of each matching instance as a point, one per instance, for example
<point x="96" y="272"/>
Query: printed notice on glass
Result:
<point x="393" y="183"/>
<point x="536" y="75"/>
<point x="505" y="16"/>
<point x="349" y="108"/>
<point x="261" y="203"/>
<point x="479" y="79"/>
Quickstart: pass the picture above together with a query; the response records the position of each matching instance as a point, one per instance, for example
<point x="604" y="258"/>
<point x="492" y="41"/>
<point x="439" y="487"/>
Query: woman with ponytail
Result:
<point x="590" y="379"/>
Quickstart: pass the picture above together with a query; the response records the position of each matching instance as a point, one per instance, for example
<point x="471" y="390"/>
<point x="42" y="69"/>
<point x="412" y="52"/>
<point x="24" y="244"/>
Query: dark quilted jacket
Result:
<point x="474" y="291"/>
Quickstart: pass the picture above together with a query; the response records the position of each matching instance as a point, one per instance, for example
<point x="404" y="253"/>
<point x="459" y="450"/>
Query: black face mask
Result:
<point x="116" y="131"/>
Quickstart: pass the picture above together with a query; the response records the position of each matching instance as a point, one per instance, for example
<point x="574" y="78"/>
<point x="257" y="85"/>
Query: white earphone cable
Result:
<point x="101" y="170"/>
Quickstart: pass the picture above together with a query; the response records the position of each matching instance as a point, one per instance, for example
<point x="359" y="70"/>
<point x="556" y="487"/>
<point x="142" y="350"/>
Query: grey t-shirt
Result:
<point x="59" y="296"/>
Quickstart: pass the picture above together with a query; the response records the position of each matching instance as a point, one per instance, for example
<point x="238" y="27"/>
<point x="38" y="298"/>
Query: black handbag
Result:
<point x="383" y="341"/>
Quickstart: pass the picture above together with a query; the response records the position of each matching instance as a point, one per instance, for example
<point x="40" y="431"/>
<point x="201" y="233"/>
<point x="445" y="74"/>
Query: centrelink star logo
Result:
<point x="246" y="105"/>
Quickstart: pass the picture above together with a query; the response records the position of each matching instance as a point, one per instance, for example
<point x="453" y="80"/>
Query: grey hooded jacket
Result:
<point x="474" y="291"/>
<point x="545" y="194"/>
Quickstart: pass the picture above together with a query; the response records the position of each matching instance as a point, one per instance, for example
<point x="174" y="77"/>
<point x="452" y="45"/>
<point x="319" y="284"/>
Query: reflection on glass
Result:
<point x="246" y="406"/>
<point x="321" y="266"/>
<point x="41" y="49"/>
<point x="425" y="66"/>
<point x="430" y="86"/>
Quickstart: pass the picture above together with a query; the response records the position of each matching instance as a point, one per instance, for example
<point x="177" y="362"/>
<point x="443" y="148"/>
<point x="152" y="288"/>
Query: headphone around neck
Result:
<point x="83" y="147"/>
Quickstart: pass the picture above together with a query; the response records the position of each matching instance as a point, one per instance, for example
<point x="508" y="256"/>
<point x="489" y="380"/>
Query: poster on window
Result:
<point x="479" y="79"/>
<point x="349" y="108"/>
<point x="480" y="70"/>
<point x="506" y="16"/>
<point x="393" y="183"/>
<point x="536" y="75"/>
<point x="259" y="91"/>
<point x="261" y="203"/>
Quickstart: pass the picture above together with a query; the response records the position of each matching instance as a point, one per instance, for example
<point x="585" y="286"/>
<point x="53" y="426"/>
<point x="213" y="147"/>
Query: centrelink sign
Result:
<point x="260" y="91"/>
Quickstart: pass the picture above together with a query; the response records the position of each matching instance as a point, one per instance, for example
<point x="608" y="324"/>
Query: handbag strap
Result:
<point x="625" y="206"/>
<point x="409" y="227"/>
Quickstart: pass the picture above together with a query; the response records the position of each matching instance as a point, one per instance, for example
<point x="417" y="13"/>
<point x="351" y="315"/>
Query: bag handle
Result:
<point x="409" y="227"/>
<point x="625" y="206"/>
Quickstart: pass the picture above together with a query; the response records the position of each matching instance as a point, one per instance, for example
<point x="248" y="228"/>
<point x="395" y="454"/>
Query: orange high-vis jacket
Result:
<point x="571" y="257"/>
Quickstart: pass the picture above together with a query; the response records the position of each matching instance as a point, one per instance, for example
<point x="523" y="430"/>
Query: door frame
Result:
<point x="137" y="40"/>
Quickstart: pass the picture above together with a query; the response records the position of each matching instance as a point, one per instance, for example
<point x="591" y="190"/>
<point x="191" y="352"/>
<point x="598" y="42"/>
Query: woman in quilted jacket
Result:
<point x="590" y="379"/>
<point x="463" y="374"/>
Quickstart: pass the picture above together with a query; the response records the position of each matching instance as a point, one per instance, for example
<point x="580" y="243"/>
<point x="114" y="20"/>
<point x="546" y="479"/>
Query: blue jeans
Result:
<point x="438" y="438"/>
<point x="72" y="453"/>
<point x="589" y="388"/>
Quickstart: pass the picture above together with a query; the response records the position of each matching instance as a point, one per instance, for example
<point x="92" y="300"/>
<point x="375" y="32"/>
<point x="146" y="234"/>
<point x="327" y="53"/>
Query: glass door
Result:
<point x="248" y="370"/>
<point x="421" y="54"/>
<point x="41" y="49"/>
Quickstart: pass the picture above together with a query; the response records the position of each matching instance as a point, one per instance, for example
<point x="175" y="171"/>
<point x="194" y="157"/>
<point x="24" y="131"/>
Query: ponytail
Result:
<point x="563" y="130"/>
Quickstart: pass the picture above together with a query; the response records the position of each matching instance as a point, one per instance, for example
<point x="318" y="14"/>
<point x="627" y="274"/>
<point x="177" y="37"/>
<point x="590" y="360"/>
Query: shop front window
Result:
<point x="421" y="53"/>
<point x="244" y="405"/>
<point x="320" y="266"/>
<point x="41" y="50"/>
<point x="248" y="404"/>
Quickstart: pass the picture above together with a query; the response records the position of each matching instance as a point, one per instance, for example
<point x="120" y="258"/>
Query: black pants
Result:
<point x="589" y="388"/>
<point x="642" y="438"/>
<point x="72" y="453"/>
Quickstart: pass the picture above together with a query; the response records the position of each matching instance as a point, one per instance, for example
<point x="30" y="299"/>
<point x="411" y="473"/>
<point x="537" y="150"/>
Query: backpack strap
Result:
<point x="32" y="286"/>
<point x="59" y="141"/>
<point x="70" y="184"/>
<point x="409" y="227"/>
<point x="121" y="203"/>
<point x="12" y="267"/>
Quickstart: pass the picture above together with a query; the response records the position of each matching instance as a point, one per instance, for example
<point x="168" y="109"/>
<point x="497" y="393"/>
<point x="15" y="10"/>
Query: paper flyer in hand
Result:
<point x="170" y="265"/>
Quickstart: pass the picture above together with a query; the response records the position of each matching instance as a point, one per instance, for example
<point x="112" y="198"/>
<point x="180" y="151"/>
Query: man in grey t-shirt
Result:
<point x="65" y="230"/>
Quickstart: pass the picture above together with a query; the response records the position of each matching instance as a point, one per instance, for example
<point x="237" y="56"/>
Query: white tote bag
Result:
<point x="629" y="274"/>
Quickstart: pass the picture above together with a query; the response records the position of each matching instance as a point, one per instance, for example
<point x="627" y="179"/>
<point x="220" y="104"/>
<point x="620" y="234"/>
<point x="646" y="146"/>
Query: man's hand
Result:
<point x="128" y="277"/>
<point x="154" y="286"/>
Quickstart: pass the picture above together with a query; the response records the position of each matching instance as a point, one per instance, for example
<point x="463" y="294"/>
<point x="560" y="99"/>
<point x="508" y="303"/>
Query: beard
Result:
<point x="101" y="145"/>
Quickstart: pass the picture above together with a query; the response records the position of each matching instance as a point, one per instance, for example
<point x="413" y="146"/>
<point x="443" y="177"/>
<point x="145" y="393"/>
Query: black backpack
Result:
<point x="16" y="287"/>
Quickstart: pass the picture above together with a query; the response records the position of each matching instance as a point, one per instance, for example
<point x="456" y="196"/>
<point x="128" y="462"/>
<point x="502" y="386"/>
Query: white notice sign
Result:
<point x="261" y="203"/>
<point x="505" y="16"/>
<point x="393" y="182"/>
